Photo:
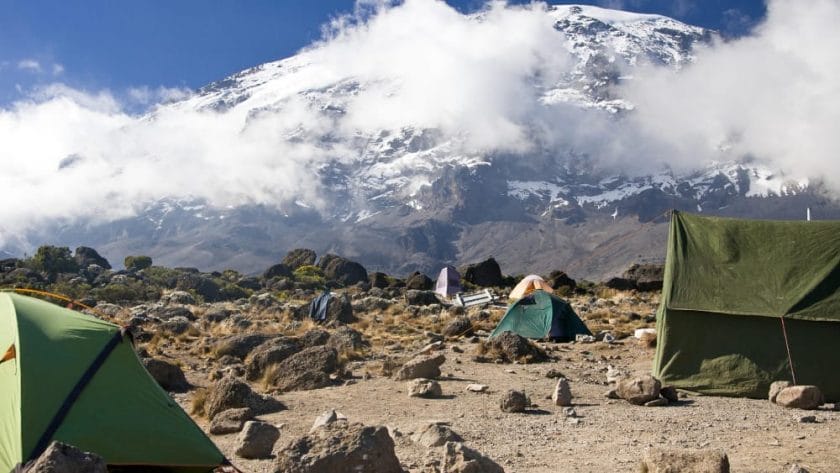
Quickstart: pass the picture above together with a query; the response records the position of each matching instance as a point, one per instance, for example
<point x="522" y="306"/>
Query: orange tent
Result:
<point x="529" y="284"/>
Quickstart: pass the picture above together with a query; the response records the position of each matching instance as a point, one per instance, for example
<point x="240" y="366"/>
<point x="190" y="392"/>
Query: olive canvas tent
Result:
<point x="748" y="302"/>
<point x="529" y="284"/>
<point x="448" y="282"/>
<point x="540" y="315"/>
<point x="73" y="378"/>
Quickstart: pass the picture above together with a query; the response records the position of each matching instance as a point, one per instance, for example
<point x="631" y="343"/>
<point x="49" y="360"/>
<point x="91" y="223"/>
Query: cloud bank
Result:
<point x="773" y="95"/>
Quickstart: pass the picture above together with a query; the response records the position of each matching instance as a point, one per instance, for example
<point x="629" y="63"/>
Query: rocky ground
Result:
<point x="253" y="348"/>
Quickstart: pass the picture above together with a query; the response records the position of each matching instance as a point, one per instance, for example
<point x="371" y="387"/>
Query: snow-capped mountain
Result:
<point x="408" y="196"/>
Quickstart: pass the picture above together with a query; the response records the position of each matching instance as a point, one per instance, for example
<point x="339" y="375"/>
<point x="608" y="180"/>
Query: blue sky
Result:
<point x="128" y="45"/>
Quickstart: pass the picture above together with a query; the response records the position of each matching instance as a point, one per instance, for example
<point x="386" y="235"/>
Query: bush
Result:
<point x="136" y="263"/>
<point x="161" y="276"/>
<point x="231" y="292"/>
<point x="310" y="276"/>
<point x="133" y="291"/>
<point x="54" y="260"/>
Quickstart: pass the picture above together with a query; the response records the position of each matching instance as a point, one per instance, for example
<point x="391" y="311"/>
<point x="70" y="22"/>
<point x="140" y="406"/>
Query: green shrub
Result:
<point x="53" y="260"/>
<point x="161" y="277"/>
<point x="231" y="292"/>
<point x="136" y="263"/>
<point x="310" y="276"/>
<point x="133" y="291"/>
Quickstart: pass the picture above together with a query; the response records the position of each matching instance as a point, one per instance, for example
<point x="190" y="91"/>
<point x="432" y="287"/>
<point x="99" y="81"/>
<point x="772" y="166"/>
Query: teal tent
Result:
<point x="539" y="315"/>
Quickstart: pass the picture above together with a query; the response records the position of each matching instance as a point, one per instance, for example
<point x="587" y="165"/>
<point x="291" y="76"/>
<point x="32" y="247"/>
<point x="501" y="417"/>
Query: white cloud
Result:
<point x="29" y="65"/>
<point x="68" y="153"/>
<point x="57" y="69"/>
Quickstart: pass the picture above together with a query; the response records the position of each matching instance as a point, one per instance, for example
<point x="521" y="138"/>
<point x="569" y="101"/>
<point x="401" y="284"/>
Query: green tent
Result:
<point x="541" y="314"/>
<point x="741" y="298"/>
<point x="71" y="377"/>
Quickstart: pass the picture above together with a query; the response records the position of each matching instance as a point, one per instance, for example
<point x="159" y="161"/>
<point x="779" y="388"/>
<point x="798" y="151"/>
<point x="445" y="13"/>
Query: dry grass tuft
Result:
<point x="198" y="403"/>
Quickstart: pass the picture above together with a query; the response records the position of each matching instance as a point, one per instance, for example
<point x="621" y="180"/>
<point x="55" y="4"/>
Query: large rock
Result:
<point x="239" y="345"/>
<point x="421" y="387"/>
<point x="419" y="281"/>
<point x="621" y="284"/>
<point x="341" y="270"/>
<point x="230" y="393"/>
<point x="415" y="297"/>
<point x="62" y="458"/>
<point x="800" y="397"/>
<point x="230" y="421"/>
<point x="639" y="390"/>
<point x="269" y="353"/>
<point x="485" y="274"/>
<point x="514" y="401"/>
<point x="299" y="257"/>
<point x="457" y="458"/>
<point x="340" y="447"/>
<point x="558" y="279"/>
<point x="277" y="271"/>
<point x="776" y="387"/>
<point x="671" y="460"/>
<point x="434" y="435"/>
<point x="510" y="347"/>
<point x="427" y="367"/>
<point x="347" y="339"/>
<point x="646" y="277"/>
<point x="307" y="369"/>
<point x="379" y="280"/>
<point x="168" y="375"/>
<point x="204" y="286"/>
<point x="461" y="326"/>
<point x="257" y="439"/>
<point x="340" y="308"/>
<point x="85" y="257"/>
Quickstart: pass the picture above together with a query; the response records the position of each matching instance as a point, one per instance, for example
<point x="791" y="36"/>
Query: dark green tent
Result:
<point x="743" y="297"/>
<point x="541" y="314"/>
<point x="71" y="377"/>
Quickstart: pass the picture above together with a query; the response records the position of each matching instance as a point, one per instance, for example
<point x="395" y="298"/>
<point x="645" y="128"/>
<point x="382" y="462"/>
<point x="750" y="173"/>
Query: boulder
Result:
<point x="461" y="326"/>
<point x="775" y="388"/>
<point x="299" y="257"/>
<point x="341" y="270"/>
<point x="314" y="338"/>
<point x="327" y="418"/>
<point x="62" y="458"/>
<point x="257" y="439"/>
<point x="202" y="285"/>
<point x="347" y="339"/>
<point x="457" y="458"/>
<point x="419" y="281"/>
<point x="646" y="277"/>
<point x="166" y="313"/>
<point x="621" y="284"/>
<point x="85" y="257"/>
<point x="415" y="297"/>
<point x="340" y="308"/>
<point x="239" y="345"/>
<point x="340" y="447"/>
<point x="421" y="387"/>
<point x="250" y="282"/>
<point x="308" y="369"/>
<point x="230" y="421"/>
<point x="176" y="325"/>
<point x="639" y="390"/>
<point x="512" y="347"/>
<point x="269" y="353"/>
<point x="424" y="366"/>
<point x="178" y="297"/>
<point x="558" y="279"/>
<point x="668" y="460"/>
<point x="486" y="273"/>
<point x="230" y="393"/>
<point x="800" y="397"/>
<point x="168" y="375"/>
<point x="434" y="435"/>
<point x="277" y="271"/>
<point x="514" y="401"/>
<point x="562" y="395"/>
<point x="378" y="280"/>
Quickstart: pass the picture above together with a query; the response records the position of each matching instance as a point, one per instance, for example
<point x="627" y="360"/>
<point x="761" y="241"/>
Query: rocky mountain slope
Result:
<point x="409" y="197"/>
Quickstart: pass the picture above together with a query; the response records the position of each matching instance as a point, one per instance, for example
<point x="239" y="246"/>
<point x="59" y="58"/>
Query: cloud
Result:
<point x="773" y="96"/>
<point x="30" y="65"/>
<point x="57" y="69"/>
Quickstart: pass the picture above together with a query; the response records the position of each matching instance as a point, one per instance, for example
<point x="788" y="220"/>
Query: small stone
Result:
<point x="569" y="412"/>
<point x="435" y="435"/>
<point x="808" y="420"/>
<point x="800" y="397"/>
<point x="776" y="387"/>
<point x="553" y="373"/>
<point x="63" y="458"/>
<point x="612" y="394"/>
<point x="797" y="468"/>
<point x="657" y="402"/>
<point x="327" y="418"/>
<point x="257" y="439"/>
<point x="230" y="421"/>
<point x="421" y="367"/>
<point x="639" y="390"/>
<point x="562" y="395"/>
<point x="514" y="401"/>
<point x="424" y="388"/>
<point x="477" y="388"/>
<point x="573" y="420"/>
<point x="670" y="393"/>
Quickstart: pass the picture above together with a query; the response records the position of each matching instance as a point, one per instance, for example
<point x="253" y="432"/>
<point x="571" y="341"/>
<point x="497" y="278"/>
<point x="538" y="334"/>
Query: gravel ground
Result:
<point x="609" y="435"/>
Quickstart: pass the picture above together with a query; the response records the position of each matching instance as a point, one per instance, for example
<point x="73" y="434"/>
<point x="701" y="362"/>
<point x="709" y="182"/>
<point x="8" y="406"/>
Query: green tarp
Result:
<point x="729" y="286"/>
<point x="539" y="315"/>
<point x="121" y="414"/>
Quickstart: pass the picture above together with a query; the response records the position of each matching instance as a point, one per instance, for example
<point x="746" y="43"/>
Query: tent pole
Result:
<point x="787" y="347"/>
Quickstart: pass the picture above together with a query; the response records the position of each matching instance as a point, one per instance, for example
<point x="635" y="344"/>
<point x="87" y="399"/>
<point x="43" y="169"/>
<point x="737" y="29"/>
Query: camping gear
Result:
<point x="541" y="314"/>
<point x="76" y="379"/>
<point x="448" y="282"/>
<point x="472" y="299"/>
<point x="318" y="307"/>
<point x="529" y="284"/>
<point x="748" y="302"/>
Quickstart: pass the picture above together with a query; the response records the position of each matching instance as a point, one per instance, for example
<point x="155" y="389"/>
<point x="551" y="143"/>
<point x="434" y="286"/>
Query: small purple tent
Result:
<point x="448" y="282"/>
